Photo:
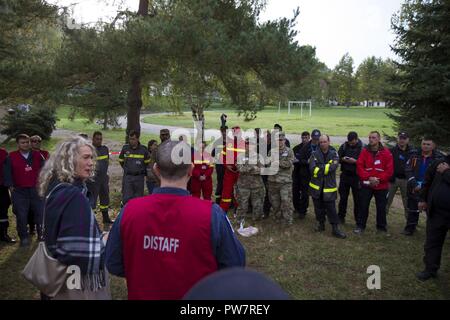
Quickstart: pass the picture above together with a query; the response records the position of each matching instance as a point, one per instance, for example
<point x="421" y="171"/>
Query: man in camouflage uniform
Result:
<point x="280" y="184"/>
<point x="99" y="186"/>
<point x="134" y="159"/>
<point x="250" y="186"/>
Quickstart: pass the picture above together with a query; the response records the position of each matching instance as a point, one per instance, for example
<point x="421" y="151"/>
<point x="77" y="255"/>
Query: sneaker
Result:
<point x="426" y="275"/>
<point x="358" y="230"/>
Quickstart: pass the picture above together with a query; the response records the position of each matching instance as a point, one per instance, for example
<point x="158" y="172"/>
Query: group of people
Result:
<point x="191" y="236"/>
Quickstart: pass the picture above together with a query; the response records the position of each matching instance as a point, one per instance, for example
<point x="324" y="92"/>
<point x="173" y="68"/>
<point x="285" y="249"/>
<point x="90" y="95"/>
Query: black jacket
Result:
<point x="305" y="154"/>
<point x="400" y="158"/>
<point x="297" y="149"/>
<point x="347" y="150"/>
<point x="433" y="182"/>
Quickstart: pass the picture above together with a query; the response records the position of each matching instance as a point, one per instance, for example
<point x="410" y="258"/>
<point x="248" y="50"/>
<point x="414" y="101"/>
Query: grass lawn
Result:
<point x="335" y="121"/>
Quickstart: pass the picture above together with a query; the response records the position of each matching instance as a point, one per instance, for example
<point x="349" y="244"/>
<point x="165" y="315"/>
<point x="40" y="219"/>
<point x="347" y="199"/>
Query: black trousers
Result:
<point x="296" y="191"/>
<point x="5" y="202"/>
<point x="365" y="196"/>
<point x="346" y="183"/>
<point x="438" y="225"/>
<point x="304" y="196"/>
<point x="325" y="209"/>
<point x="413" y="212"/>
<point x="267" y="205"/>
<point x="220" y="171"/>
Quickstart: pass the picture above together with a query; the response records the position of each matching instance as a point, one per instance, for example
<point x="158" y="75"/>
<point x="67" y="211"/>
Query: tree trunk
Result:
<point x="135" y="92"/>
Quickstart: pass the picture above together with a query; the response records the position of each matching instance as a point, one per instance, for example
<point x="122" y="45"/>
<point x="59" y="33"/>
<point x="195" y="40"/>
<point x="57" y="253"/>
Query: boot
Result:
<point x="106" y="219"/>
<point x="320" y="227"/>
<point x="338" y="233"/>
<point x="4" y="233"/>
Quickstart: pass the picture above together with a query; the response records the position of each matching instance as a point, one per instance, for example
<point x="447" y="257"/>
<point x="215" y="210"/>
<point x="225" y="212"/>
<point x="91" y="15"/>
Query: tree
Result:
<point x="422" y="83"/>
<point x="344" y="81"/>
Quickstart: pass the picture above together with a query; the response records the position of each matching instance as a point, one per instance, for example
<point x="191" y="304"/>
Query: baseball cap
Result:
<point x="316" y="133"/>
<point x="403" y="135"/>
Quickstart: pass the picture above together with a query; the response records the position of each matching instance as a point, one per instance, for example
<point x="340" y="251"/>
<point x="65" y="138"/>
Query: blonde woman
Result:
<point x="71" y="232"/>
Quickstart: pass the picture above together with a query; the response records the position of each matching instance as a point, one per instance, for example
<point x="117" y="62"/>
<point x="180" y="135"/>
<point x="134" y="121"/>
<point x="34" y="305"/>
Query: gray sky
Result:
<point x="334" y="27"/>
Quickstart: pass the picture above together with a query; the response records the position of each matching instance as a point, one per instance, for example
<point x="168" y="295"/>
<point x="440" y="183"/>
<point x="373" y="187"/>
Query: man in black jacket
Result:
<point x="401" y="153"/>
<point x="348" y="154"/>
<point x="305" y="175"/>
<point x="415" y="170"/>
<point x="434" y="198"/>
<point x="296" y="178"/>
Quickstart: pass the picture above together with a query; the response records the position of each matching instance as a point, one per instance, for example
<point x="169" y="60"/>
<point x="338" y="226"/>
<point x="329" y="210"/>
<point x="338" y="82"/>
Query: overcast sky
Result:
<point x="334" y="27"/>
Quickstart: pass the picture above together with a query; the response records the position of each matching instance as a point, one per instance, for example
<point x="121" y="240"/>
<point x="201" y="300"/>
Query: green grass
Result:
<point x="335" y="121"/>
<point x="82" y="125"/>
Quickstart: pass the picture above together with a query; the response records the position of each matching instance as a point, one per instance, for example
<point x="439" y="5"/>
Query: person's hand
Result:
<point x="351" y="160"/>
<point x="202" y="178"/>
<point x="423" y="206"/>
<point x="373" y="181"/>
<point x="442" y="167"/>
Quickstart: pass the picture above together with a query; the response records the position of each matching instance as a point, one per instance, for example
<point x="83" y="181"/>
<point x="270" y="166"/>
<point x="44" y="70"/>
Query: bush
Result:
<point x="38" y="120"/>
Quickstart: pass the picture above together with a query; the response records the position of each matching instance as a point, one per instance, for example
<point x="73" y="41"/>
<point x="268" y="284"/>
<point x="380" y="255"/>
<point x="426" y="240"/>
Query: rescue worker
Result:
<point x="296" y="177"/>
<point x="323" y="186"/>
<point x="234" y="148"/>
<point x="415" y="170"/>
<point x="163" y="244"/>
<point x="98" y="187"/>
<point x="348" y="155"/>
<point x="375" y="167"/>
<point x="218" y="147"/>
<point x="250" y="186"/>
<point x="400" y="153"/>
<point x="201" y="180"/>
<point x="305" y="175"/>
<point x="21" y="176"/>
<point x="280" y="184"/>
<point x="152" y="180"/>
<point x="134" y="159"/>
<point x="434" y="198"/>
<point x="36" y="146"/>
<point x="5" y="202"/>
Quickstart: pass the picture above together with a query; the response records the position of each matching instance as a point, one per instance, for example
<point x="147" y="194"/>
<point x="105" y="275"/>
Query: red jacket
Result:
<point x="3" y="156"/>
<point x="166" y="245"/>
<point x="381" y="166"/>
<point x="203" y="165"/>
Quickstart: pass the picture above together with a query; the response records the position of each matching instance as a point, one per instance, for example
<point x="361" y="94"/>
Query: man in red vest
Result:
<point x="21" y="175"/>
<point x="164" y="243"/>
<point x="375" y="166"/>
<point x="201" y="181"/>
<point x="234" y="148"/>
<point x="5" y="202"/>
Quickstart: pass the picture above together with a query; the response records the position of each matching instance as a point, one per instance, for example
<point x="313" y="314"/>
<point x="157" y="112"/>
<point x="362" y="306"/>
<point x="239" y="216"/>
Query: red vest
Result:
<point x="25" y="176"/>
<point x="3" y="155"/>
<point x="166" y="241"/>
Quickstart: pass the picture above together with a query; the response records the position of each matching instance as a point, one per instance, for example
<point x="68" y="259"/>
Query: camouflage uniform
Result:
<point x="280" y="186"/>
<point x="250" y="187"/>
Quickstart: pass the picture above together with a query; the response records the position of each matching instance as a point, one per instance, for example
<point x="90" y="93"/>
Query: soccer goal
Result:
<point x="301" y="103"/>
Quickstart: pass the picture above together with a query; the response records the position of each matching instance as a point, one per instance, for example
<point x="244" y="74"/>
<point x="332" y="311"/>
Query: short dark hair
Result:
<point x="22" y="136"/>
<point x="276" y="125"/>
<point x="427" y="138"/>
<point x="97" y="133"/>
<point x="167" y="168"/>
<point x="305" y="133"/>
<point x="375" y="131"/>
<point x="352" y="135"/>
<point x="133" y="133"/>
<point x="151" y="142"/>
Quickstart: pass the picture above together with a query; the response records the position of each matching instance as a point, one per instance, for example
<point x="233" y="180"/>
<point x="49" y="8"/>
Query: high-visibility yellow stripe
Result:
<point x="147" y="161"/>
<point x="226" y="200"/>
<point x="102" y="157"/>
<point x="211" y="166"/>
<point x="314" y="186"/>
<point x="135" y="156"/>
<point x="327" y="168"/>
<point x="103" y="207"/>
<point x="202" y="162"/>
<point x="121" y="160"/>
<point x="330" y="190"/>
<point x="224" y="153"/>
<point x="316" y="171"/>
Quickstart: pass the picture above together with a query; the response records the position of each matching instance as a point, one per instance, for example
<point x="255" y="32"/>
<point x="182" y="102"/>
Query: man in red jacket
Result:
<point x="201" y="180"/>
<point x="375" y="166"/>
